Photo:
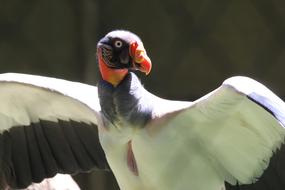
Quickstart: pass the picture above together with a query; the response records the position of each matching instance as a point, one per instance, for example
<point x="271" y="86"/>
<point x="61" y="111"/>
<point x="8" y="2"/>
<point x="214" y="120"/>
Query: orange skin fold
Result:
<point x="113" y="76"/>
<point x="140" y="57"/>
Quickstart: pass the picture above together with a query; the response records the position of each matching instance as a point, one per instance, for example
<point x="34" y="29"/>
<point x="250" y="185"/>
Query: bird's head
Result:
<point x="119" y="52"/>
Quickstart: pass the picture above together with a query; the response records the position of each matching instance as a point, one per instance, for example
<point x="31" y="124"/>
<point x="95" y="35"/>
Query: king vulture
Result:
<point x="231" y="138"/>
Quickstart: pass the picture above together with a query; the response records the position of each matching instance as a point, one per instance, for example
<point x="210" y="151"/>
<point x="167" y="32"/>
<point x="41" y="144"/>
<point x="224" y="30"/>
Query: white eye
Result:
<point x="118" y="43"/>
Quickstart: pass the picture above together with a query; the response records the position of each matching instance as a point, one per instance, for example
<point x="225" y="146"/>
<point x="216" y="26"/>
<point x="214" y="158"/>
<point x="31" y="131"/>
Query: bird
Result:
<point x="230" y="139"/>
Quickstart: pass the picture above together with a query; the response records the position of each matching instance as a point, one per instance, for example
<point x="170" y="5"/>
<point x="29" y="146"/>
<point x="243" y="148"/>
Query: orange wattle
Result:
<point x="113" y="76"/>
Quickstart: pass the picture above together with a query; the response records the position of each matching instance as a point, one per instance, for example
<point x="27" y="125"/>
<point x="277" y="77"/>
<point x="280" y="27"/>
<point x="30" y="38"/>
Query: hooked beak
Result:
<point x="141" y="61"/>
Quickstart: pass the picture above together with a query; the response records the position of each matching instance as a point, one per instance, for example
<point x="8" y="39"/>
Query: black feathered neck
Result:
<point x="128" y="101"/>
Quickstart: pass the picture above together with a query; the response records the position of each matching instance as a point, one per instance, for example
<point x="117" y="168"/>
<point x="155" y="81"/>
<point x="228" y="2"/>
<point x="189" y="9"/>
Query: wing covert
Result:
<point x="237" y="127"/>
<point x="47" y="126"/>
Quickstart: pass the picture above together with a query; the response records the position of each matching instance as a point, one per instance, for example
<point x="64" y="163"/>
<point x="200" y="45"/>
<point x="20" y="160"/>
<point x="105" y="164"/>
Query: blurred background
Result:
<point x="194" y="45"/>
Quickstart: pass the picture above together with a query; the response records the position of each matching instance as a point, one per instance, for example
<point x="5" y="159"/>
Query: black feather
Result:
<point x="43" y="149"/>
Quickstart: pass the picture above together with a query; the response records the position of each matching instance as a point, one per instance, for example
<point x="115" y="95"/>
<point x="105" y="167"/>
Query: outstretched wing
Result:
<point x="235" y="130"/>
<point x="47" y="126"/>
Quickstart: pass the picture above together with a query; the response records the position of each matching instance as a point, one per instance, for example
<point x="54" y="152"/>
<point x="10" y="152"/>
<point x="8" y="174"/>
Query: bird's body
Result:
<point x="169" y="164"/>
<point x="129" y="125"/>
<point x="227" y="137"/>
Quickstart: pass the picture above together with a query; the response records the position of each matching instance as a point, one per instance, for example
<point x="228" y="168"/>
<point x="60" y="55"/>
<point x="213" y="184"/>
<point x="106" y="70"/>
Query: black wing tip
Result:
<point x="48" y="148"/>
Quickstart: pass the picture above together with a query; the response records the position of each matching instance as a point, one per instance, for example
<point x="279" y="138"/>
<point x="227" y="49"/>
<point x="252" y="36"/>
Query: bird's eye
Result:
<point x="118" y="43"/>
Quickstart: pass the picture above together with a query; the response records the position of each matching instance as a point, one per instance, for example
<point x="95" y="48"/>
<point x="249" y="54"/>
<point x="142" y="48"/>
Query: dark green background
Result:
<point x="194" y="45"/>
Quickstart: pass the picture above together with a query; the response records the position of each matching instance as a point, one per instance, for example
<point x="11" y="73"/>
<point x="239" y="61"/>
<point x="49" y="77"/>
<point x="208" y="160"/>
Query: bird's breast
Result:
<point x="117" y="145"/>
<point x="159" y="161"/>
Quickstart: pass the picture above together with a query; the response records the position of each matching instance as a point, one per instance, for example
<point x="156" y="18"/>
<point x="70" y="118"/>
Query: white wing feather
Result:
<point x="28" y="98"/>
<point x="228" y="135"/>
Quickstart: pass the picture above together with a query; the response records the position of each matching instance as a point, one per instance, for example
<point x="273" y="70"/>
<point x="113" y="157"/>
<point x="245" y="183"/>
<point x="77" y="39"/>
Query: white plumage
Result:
<point x="227" y="135"/>
<point x="232" y="138"/>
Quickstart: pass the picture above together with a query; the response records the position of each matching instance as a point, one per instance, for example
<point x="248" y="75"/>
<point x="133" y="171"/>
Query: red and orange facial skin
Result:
<point x="113" y="76"/>
<point x="140" y="59"/>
